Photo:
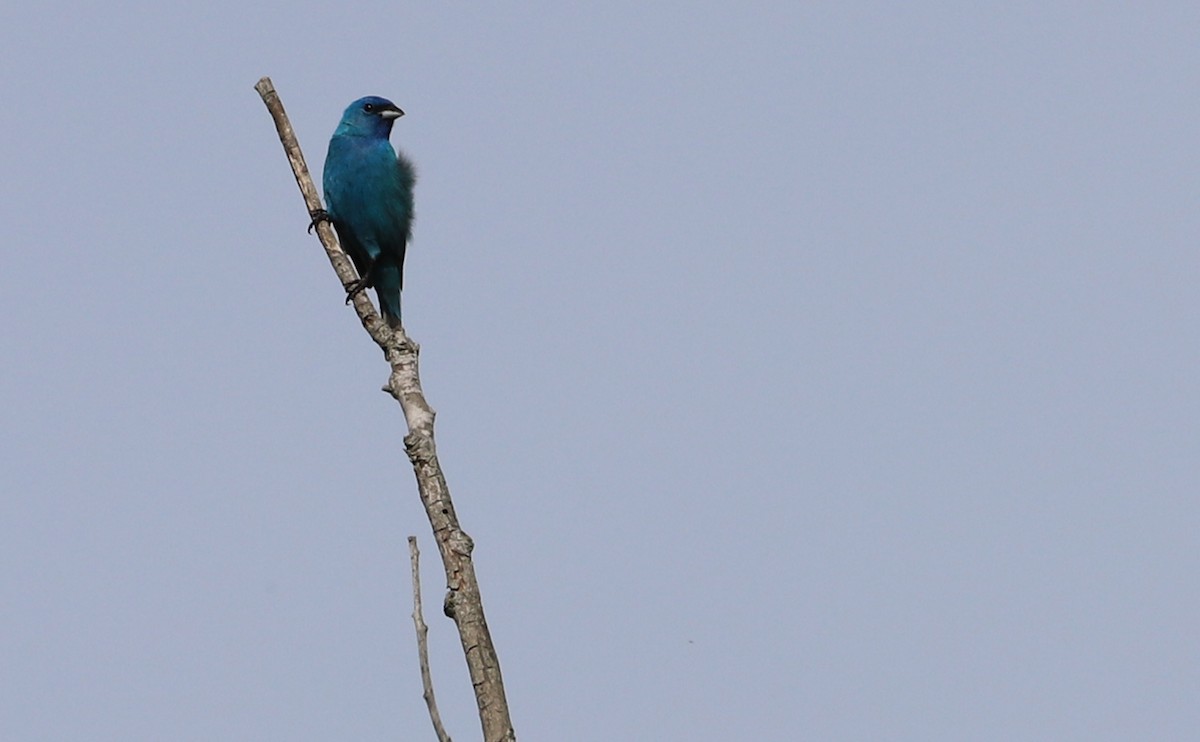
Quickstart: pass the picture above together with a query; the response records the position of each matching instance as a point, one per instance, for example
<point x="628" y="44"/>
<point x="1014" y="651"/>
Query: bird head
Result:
<point x="369" y="117"/>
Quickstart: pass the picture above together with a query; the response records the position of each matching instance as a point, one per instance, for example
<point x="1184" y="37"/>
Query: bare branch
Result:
<point x="423" y="642"/>
<point x="463" y="601"/>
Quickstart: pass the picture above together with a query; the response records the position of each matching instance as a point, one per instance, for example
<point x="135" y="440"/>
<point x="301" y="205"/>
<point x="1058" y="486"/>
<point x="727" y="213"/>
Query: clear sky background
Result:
<point x="804" y="371"/>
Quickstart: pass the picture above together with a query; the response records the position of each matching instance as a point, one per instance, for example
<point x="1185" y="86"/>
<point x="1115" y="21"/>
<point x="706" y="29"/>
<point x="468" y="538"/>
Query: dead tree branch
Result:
<point x="463" y="601"/>
<point x="418" y="617"/>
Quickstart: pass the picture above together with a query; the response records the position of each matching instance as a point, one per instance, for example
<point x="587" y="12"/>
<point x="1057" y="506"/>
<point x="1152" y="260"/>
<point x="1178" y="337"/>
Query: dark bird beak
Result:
<point x="391" y="113"/>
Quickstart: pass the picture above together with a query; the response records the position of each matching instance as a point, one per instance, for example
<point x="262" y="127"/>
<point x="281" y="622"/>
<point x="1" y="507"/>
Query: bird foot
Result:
<point x="318" y="216"/>
<point x="355" y="288"/>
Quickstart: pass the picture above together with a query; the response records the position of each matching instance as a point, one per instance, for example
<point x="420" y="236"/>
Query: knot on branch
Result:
<point x="399" y="348"/>
<point x="460" y="543"/>
<point x="420" y="448"/>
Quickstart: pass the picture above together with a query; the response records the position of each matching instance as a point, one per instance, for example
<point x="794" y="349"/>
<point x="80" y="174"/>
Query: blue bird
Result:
<point x="369" y="199"/>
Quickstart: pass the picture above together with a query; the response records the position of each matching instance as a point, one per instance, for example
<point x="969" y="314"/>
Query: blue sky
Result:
<point x="804" y="371"/>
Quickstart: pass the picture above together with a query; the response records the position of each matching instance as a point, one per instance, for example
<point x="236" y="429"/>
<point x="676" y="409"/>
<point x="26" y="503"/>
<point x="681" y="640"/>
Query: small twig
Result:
<point x="423" y="642"/>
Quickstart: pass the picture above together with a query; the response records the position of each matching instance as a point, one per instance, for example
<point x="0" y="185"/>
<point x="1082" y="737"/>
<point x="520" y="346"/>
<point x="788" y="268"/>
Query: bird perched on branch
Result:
<point x="369" y="197"/>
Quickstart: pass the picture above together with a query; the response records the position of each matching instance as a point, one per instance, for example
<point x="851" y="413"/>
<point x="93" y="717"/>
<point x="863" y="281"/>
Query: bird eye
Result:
<point x="369" y="107"/>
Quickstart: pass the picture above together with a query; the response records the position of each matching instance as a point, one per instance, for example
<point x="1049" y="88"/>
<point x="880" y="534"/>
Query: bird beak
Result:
<point x="391" y="113"/>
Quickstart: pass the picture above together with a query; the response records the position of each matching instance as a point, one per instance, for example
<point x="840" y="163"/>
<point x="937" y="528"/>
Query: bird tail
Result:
<point x="386" y="277"/>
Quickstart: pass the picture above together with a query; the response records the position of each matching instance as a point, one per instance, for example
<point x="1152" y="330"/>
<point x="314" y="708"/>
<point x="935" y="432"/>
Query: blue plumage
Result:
<point x="369" y="198"/>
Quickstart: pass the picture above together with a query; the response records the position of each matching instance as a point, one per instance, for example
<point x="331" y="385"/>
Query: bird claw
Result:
<point x="318" y="216"/>
<point x="354" y="289"/>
